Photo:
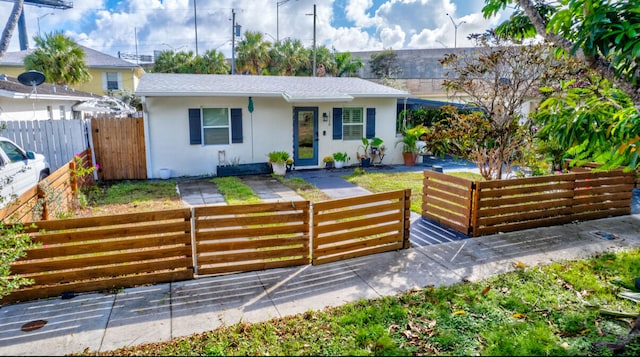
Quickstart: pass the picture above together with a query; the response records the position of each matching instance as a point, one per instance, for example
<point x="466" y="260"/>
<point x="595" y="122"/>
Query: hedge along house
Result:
<point x="195" y="121"/>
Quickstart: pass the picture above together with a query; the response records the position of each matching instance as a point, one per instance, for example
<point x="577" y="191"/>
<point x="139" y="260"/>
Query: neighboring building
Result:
<point x="21" y="102"/>
<point x="109" y="74"/>
<point x="192" y="121"/>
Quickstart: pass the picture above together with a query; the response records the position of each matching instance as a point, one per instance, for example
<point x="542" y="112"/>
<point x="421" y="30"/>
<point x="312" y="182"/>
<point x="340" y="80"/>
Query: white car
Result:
<point x="19" y="170"/>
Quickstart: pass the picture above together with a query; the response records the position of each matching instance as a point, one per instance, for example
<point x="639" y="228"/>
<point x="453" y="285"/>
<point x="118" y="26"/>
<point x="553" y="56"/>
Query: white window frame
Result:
<point x="105" y="81"/>
<point x="349" y="110"/>
<point x="204" y="127"/>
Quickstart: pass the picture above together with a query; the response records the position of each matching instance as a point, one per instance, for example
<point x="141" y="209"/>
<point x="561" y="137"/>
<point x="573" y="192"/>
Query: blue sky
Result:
<point x="110" y="26"/>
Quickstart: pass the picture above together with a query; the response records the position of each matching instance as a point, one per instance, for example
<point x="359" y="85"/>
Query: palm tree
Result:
<point x="288" y="58"/>
<point x="215" y="63"/>
<point x="346" y="65"/>
<point x="59" y="58"/>
<point x="11" y="25"/>
<point x="253" y="53"/>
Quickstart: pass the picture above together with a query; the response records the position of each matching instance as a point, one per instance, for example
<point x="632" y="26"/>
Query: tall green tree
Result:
<point x="173" y="62"/>
<point x="288" y="58"/>
<point x="604" y="35"/>
<point x="60" y="59"/>
<point x="10" y="26"/>
<point x="347" y="65"/>
<point x="253" y="53"/>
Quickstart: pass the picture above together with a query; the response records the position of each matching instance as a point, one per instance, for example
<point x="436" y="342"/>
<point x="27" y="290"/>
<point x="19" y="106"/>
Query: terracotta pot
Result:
<point x="409" y="158"/>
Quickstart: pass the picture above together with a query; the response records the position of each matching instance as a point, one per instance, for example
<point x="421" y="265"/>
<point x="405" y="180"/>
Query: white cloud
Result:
<point x="357" y="25"/>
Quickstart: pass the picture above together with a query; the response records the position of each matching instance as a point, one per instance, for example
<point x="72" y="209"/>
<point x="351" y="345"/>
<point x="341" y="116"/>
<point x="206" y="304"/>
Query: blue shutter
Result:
<point x="371" y="122"/>
<point x="236" y="125"/>
<point x="337" y="123"/>
<point x="195" y="129"/>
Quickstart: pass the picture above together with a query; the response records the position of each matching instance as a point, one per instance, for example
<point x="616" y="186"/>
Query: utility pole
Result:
<point x="235" y="31"/>
<point x="314" y="39"/>
<point x="195" y="23"/>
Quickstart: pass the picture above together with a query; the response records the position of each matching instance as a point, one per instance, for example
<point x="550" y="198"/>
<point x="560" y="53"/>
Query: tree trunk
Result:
<point x="10" y="26"/>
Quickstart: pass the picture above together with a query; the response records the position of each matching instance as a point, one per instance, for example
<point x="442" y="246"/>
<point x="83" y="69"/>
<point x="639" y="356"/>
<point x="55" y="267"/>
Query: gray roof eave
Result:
<point x="207" y="94"/>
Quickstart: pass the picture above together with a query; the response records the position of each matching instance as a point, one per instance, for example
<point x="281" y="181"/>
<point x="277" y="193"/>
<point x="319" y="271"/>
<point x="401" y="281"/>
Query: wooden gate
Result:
<point x="119" y="148"/>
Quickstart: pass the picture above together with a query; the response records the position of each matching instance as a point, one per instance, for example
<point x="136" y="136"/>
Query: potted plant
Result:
<point x="278" y="161"/>
<point x="328" y="162"/>
<point x="409" y="140"/>
<point x="368" y="145"/>
<point x="340" y="159"/>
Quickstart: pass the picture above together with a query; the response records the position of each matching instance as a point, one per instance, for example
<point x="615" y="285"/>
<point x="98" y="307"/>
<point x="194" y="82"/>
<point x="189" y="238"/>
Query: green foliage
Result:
<point x="341" y="156"/>
<point x="603" y="34"/>
<point x="346" y="65"/>
<point x="211" y="62"/>
<point x="278" y="156"/>
<point x="60" y="59"/>
<point x="367" y="144"/>
<point x="132" y="191"/>
<point x="14" y="245"/>
<point x="235" y="191"/>
<point x="589" y="118"/>
<point x="410" y="138"/>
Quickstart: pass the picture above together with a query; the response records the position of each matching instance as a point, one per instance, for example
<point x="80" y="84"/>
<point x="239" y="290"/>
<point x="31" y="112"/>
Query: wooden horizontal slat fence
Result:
<point x="357" y="226"/>
<point x="53" y="196"/>
<point x="106" y="252"/>
<point x="240" y="238"/>
<point x="447" y="200"/>
<point x="509" y="205"/>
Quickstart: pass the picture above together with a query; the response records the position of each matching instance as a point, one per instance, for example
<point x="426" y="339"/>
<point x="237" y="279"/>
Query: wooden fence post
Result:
<point x="406" y="240"/>
<point x="42" y="198"/>
<point x="73" y="177"/>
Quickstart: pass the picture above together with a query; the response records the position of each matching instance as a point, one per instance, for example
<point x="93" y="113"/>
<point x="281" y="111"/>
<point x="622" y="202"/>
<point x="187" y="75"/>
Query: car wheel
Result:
<point x="43" y="175"/>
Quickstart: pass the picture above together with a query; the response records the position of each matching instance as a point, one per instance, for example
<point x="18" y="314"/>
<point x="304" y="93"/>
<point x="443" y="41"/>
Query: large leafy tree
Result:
<point x="10" y="26"/>
<point x="604" y="35"/>
<point x="499" y="79"/>
<point x="59" y="58"/>
<point x="253" y="53"/>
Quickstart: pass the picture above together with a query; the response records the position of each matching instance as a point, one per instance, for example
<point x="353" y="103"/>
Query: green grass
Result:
<point x="538" y="311"/>
<point x="304" y="189"/>
<point x="383" y="182"/>
<point x="132" y="192"/>
<point x="235" y="191"/>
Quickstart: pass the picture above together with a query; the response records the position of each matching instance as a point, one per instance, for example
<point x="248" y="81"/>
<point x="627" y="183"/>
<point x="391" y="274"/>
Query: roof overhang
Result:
<point x="22" y="96"/>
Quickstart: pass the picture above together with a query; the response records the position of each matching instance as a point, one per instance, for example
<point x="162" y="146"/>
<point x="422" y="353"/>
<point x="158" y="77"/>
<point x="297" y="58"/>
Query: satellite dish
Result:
<point x="31" y="78"/>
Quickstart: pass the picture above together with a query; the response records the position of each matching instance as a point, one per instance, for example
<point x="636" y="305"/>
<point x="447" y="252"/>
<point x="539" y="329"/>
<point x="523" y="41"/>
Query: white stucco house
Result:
<point x="195" y="121"/>
<point x="46" y="101"/>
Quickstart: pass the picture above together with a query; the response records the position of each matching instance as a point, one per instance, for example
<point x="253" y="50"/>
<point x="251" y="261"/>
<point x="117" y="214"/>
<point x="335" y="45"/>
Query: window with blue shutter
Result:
<point x="236" y="125"/>
<point x="371" y="122"/>
<point x="195" y="126"/>
<point x="337" y="123"/>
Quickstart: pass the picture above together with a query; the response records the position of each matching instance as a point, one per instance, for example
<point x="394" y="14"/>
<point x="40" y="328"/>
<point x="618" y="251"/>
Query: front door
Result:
<point x="305" y="136"/>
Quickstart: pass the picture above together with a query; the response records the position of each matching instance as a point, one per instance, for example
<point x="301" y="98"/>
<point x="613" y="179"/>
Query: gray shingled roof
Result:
<point x="93" y="58"/>
<point x="292" y="89"/>
<point x="10" y="86"/>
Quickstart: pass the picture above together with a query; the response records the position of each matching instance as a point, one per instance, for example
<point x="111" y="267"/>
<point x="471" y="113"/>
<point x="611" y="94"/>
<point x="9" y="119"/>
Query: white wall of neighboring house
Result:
<point x="167" y="128"/>
<point x="35" y="109"/>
